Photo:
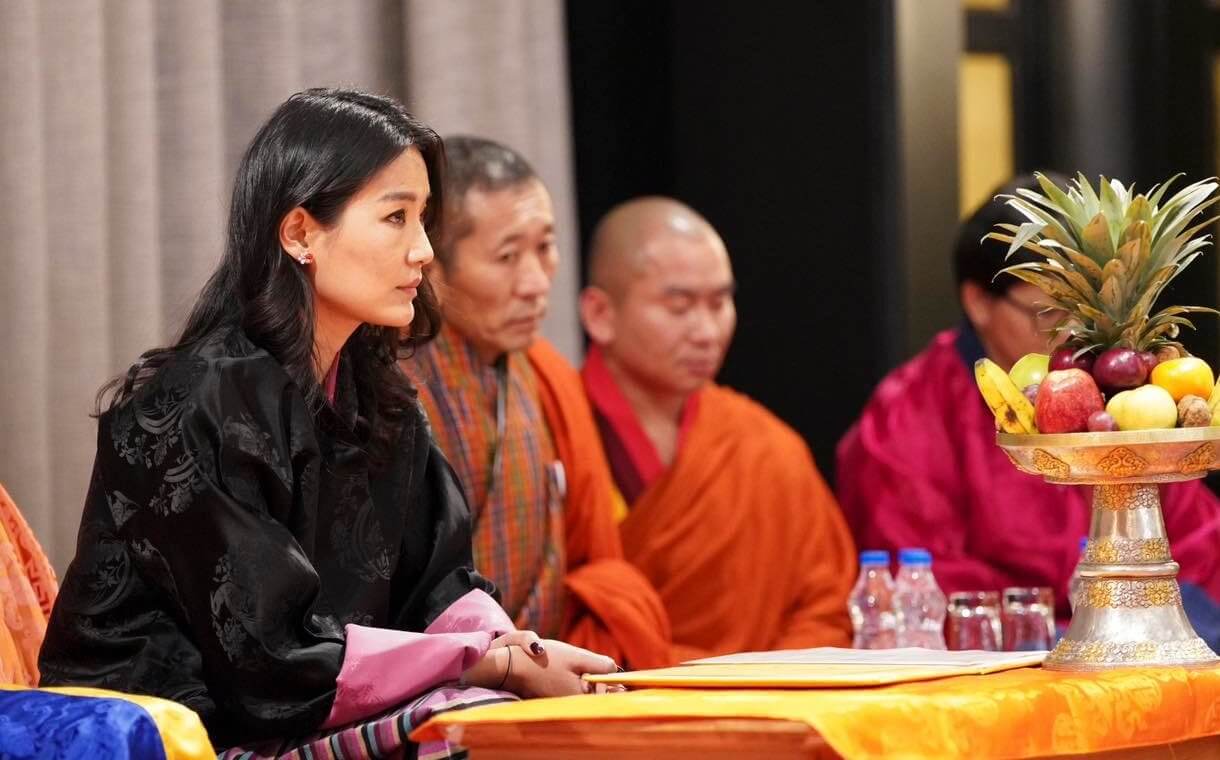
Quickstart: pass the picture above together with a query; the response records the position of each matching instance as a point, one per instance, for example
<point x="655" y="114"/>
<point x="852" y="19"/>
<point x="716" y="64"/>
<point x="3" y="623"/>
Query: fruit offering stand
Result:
<point x="1120" y="405"/>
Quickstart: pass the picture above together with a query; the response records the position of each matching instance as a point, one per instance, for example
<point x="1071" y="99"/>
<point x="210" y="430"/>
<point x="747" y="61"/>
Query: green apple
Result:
<point x="1030" y="370"/>
<point x="1148" y="407"/>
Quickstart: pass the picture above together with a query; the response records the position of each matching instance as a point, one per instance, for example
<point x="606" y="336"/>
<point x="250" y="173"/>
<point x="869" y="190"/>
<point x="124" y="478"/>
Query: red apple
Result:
<point x="1102" y="422"/>
<point x="1120" y="369"/>
<point x="1066" y="398"/>
<point x="1062" y="359"/>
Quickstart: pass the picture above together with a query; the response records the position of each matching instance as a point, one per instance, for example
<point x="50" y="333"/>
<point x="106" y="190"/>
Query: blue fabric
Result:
<point x="1204" y="614"/>
<point x="48" y="726"/>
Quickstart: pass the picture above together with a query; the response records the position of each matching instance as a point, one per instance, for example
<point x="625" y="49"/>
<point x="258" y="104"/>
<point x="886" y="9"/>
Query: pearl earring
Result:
<point x="305" y="258"/>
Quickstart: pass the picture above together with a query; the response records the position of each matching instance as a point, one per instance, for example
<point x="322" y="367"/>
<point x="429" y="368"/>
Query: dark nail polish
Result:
<point x="536" y="648"/>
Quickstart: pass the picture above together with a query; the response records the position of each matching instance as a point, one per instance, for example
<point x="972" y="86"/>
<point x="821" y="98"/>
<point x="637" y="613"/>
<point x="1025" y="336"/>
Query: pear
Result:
<point x="1149" y="407"/>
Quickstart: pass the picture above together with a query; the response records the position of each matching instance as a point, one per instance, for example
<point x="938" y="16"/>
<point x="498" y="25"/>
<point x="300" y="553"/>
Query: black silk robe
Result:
<point x="229" y="535"/>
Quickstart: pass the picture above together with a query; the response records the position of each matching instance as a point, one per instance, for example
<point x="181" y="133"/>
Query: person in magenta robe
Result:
<point x="921" y="467"/>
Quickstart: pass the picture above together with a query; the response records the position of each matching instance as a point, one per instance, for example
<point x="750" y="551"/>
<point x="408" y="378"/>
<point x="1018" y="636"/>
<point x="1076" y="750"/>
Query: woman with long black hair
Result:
<point x="270" y="535"/>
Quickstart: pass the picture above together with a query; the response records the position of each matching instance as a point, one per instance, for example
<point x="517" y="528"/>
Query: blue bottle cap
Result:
<point x="875" y="557"/>
<point x="918" y="557"/>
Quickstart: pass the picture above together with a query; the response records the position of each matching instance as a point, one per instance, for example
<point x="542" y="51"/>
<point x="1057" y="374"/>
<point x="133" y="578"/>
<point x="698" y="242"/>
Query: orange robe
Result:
<point x="27" y="591"/>
<point x="611" y="606"/>
<point x="742" y="537"/>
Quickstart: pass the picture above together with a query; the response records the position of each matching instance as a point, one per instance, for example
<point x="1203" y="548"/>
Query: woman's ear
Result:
<point x="295" y="230"/>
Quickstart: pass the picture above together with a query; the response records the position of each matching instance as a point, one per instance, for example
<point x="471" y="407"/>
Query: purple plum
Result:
<point x="1031" y="392"/>
<point x="1120" y="369"/>
<point x="1062" y="359"/>
<point x="1102" y="422"/>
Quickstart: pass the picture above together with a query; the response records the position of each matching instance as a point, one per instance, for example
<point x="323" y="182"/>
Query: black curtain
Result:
<point x="771" y="126"/>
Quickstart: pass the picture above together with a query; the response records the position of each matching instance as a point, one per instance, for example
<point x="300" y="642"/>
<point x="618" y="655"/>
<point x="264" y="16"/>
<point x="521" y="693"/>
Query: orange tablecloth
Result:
<point x="1021" y="713"/>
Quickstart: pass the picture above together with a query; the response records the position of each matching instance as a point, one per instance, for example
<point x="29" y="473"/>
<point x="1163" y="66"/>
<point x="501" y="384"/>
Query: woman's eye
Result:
<point x="398" y="217"/>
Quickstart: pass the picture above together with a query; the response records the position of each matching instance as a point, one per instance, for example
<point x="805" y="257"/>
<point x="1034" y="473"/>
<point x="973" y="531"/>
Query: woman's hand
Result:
<point x="492" y="671"/>
<point x="527" y="640"/>
<point x="529" y="667"/>
<point x="557" y="672"/>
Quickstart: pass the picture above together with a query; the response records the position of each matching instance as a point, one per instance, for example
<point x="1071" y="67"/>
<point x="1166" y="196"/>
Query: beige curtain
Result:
<point x="121" y="123"/>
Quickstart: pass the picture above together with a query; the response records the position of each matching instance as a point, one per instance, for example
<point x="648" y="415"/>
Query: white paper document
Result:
<point x="970" y="660"/>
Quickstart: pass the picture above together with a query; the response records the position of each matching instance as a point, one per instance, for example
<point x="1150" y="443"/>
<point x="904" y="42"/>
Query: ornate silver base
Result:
<point x="1129" y="607"/>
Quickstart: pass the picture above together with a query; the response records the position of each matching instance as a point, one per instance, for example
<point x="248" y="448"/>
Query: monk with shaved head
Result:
<point x="719" y="502"/>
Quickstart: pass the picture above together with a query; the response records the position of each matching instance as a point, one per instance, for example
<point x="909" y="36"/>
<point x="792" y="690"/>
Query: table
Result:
<point x="1135" y="714"/>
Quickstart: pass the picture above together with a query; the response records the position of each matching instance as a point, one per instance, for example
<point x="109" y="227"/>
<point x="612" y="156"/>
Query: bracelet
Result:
<point x="507" y="670"/>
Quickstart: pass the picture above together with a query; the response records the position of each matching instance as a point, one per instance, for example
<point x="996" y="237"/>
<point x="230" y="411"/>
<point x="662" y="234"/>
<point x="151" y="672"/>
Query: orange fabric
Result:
<point x="742" y="538"/>
<point x="1018" y="714"/>
<point x="611" y="607"/>
<point x="27" y="591"/>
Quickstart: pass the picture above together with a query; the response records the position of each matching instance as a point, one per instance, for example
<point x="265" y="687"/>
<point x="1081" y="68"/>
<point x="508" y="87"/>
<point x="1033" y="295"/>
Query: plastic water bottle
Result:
<point x="871" y="603"/>
<point x="1075" y="584"/>
<point x="918" y="602"/>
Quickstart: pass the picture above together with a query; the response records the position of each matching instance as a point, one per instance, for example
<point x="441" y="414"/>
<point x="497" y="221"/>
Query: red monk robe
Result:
<point x="921" y="468"/>
<point x="740" y="535"/>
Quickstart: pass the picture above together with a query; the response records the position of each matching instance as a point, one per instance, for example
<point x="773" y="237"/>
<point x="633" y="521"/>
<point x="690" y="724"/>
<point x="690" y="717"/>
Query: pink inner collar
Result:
<point x="331" y="381"/>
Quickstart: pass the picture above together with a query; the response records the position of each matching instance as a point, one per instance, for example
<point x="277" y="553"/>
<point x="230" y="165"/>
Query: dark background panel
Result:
<point x="620" y="69"/>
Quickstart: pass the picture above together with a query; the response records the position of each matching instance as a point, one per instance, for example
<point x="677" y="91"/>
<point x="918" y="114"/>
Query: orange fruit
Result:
<point x="1188" y="376"/>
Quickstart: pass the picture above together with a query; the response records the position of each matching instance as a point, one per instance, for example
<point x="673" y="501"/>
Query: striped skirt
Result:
<point x="384" y="736"/>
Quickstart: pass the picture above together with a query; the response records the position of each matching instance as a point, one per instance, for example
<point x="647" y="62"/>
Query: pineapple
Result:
<point x="1107" y="255"/>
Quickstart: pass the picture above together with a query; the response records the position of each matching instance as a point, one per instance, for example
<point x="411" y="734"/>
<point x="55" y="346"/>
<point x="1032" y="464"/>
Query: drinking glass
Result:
<point x="1028" y="619"/>
<point x="974" y="621"/>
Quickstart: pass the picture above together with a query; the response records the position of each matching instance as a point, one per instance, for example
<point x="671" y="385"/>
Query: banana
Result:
<point x="1214" y="401"/>
<point x="1013" y="412"/>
